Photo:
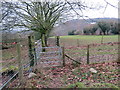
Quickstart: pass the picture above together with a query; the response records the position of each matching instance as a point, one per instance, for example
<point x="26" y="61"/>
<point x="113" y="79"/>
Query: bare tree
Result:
<point x="8" y="20"/>
<point x="40" y="16"/>
<point x="104" y="26"/>
<point x="43" y="16"/>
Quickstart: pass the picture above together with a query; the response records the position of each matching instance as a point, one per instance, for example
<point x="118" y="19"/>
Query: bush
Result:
<point x="71" y="32"/>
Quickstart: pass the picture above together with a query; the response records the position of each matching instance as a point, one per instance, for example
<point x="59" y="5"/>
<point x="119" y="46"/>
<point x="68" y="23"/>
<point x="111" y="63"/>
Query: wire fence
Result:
<point x="10" y="66"/>
<point x="81" y="40"/>
<point x="94" y="53"/>
<point x="25" y="56"/>
<point x="88" y="50"/>
<point x="17" y="64"/>
<point x="104" y="52"/>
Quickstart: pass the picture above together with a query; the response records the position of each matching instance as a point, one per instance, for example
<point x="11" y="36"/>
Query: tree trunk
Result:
<point x="107" y="32"/>
<point x="100" y="33"/>
<point x="43" y="42"/>
<point x="104" y="33"/>
<point x="46" y="44"/>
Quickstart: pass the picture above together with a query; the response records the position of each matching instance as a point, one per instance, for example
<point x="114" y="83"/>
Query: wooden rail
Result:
<point x="72" y="59"/>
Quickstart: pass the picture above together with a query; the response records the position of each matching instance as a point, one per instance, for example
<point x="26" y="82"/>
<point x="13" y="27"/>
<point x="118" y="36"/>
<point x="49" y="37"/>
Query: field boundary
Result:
<point x="93" y="53"/>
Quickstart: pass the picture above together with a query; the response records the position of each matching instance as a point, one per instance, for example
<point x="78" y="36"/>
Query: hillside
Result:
<point x="77" y="24"/>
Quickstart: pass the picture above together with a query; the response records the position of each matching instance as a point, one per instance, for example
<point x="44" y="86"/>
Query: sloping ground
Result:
<point x="78" y="24"/>
<point x="62" y="77"/>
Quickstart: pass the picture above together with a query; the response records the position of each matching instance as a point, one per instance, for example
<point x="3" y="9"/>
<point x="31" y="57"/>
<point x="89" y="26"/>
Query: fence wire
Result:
<point x="9" y="69"/>
<point x="104" y="52"/>
<point x="97" y="52"/>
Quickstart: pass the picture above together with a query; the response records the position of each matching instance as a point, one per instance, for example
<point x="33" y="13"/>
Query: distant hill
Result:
<point x="78" y="25"/>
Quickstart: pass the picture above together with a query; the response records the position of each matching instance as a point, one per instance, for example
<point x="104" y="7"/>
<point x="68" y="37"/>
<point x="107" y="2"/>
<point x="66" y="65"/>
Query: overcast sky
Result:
<point x="110" y="11"/>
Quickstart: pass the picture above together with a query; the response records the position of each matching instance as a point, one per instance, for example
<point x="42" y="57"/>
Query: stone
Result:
<point x="93" y="70"/>
<point x="31" y="75"/>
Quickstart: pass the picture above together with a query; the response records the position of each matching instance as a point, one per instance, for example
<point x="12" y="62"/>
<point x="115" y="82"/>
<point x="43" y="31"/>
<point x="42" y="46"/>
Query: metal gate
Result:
<point x="52" y="56"/>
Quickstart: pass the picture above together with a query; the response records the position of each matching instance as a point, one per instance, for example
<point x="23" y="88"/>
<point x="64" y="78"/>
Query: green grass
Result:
<point x="91" y="37"/>
<point x="11" y="67"/>
<point x="74" y="40"/>
<point x="7" y="55"/>
<point x="105" y="85"/>
<point x="98" y="50"/>
<point x="94" y="85"/>
<point x="77" y="85"/>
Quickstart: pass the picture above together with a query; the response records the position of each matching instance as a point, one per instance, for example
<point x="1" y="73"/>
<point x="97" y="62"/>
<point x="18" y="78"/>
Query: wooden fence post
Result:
<point x="63" y="56"/>
<point x="77" y="42"/>
<point x="33" y="50"/>
<point x="31" y="54"/>
<point x="20" y="64"/>
<point x="35" y="56"/>
<point x="102" y="40"/>
<point x="88" y="54"/>
<point x="58" y="40"/>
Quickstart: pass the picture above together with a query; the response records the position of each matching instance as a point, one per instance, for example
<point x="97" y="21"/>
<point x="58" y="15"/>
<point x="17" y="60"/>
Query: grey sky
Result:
<point x="109" y="12"/>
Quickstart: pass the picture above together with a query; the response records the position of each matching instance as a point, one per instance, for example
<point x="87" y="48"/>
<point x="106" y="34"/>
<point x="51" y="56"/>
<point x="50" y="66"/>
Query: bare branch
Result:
<point x="105" y="8"/>
<point x="110" y="4"/>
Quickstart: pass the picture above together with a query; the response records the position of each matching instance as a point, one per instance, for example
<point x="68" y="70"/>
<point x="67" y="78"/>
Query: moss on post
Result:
<point x="31" y="49"/>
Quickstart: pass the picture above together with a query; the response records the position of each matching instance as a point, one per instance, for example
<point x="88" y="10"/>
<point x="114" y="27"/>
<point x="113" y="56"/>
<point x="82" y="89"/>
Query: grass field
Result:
<point x="76" y="47"/>
<point x="71" y="40"/>
<point x="9" y="56"/>
<point x="80" y="40"/>
<point x="72" y="73"/>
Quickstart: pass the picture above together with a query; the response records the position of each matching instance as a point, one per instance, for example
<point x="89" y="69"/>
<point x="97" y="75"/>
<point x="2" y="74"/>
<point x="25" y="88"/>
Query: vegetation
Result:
<point x="114" y="28"/>
<point x="104" y="85"/>
<point x="77" y="85"/>
<point x="41" y="17"/>
<point x="71" y="32"/>
<point x="76" y="77"/>
<point x="104" y="27"/>
<point x="86" y="31"/>
<point x="94" y="85"/>
<point x="94" y="29"/>
<point x="85" y="39"/>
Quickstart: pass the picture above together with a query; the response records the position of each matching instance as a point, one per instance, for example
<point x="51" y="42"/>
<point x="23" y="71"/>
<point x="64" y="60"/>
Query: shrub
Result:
<point x="71" y="32"/>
